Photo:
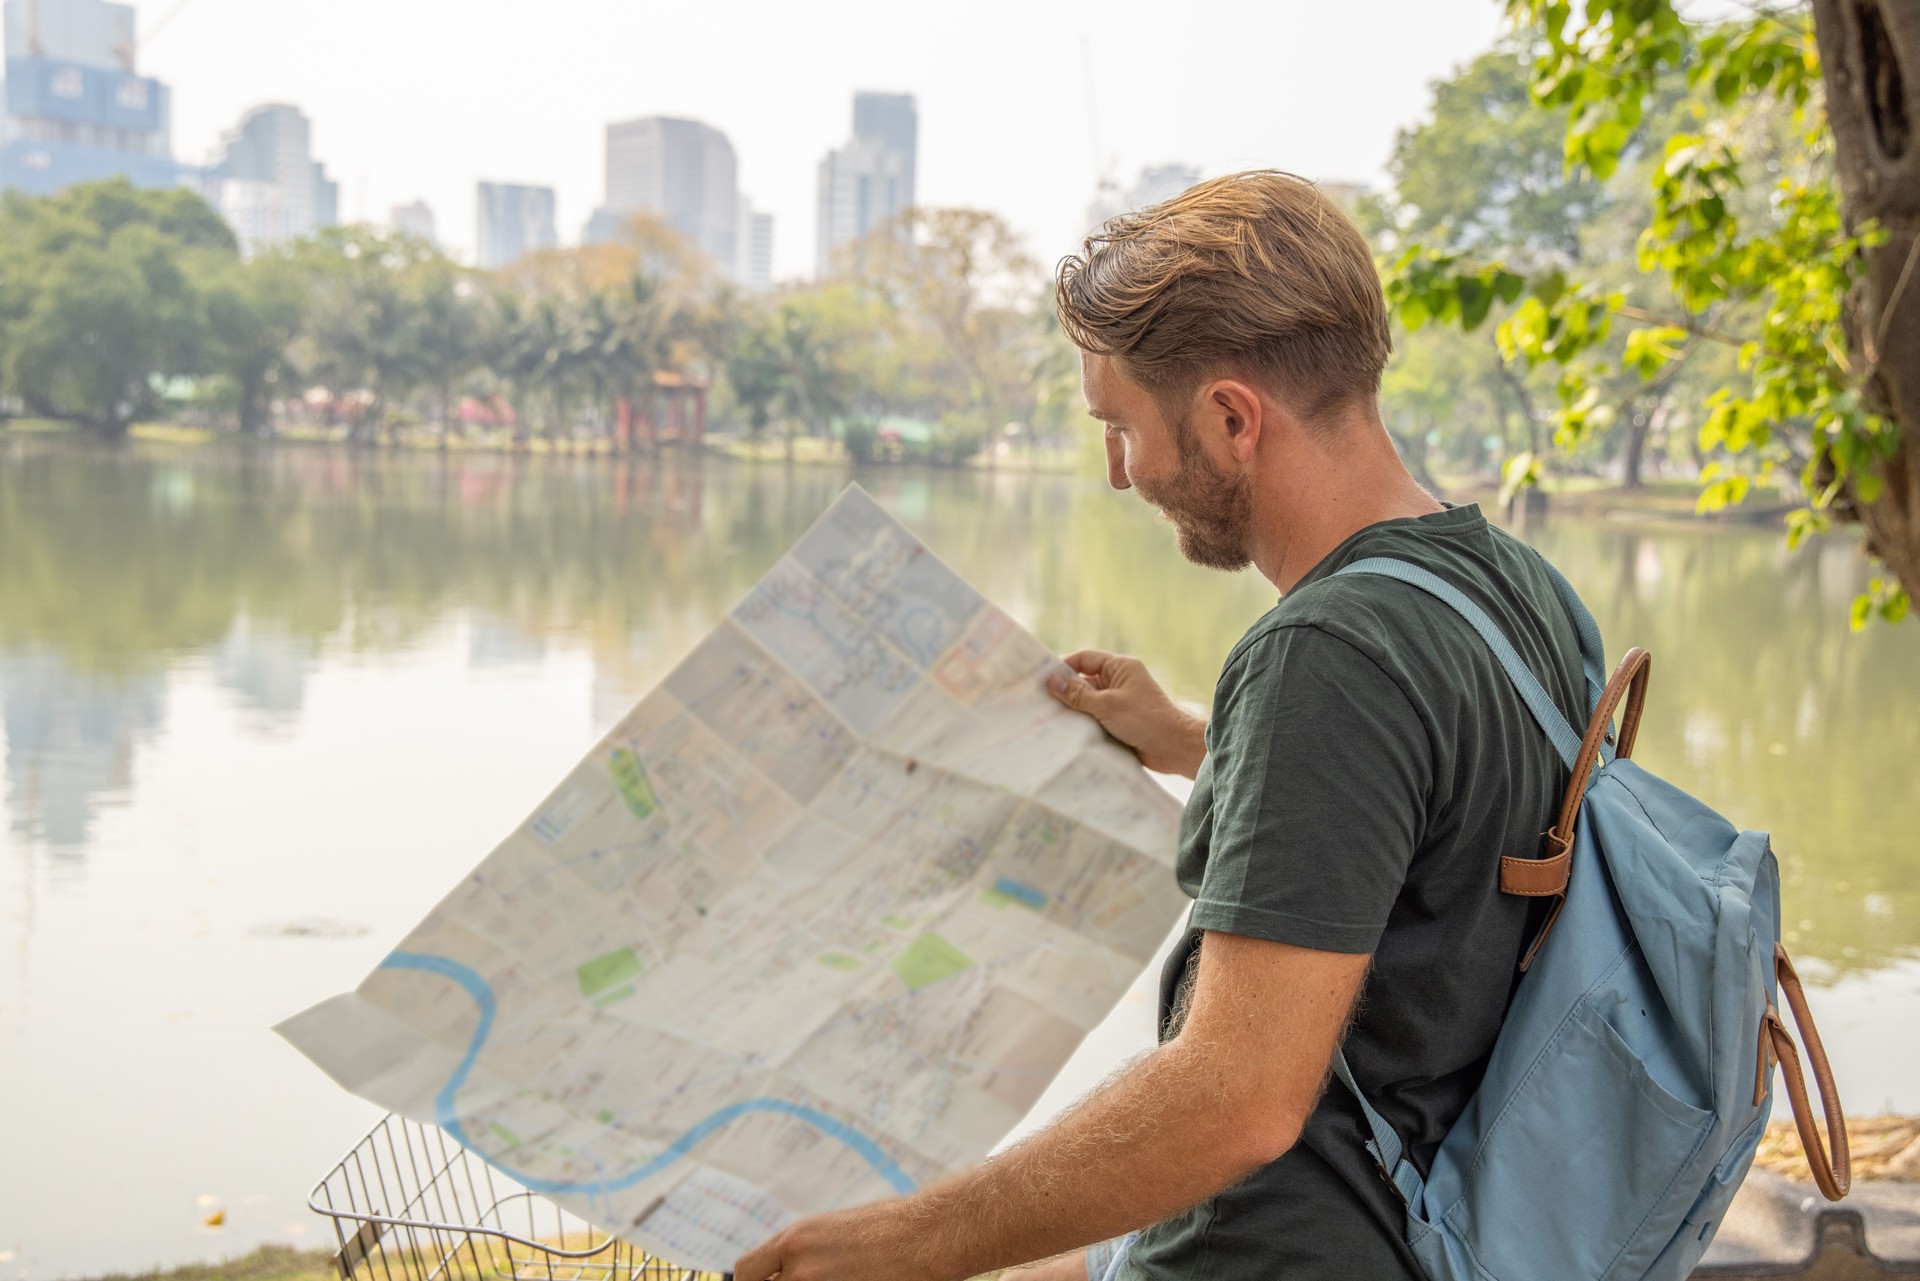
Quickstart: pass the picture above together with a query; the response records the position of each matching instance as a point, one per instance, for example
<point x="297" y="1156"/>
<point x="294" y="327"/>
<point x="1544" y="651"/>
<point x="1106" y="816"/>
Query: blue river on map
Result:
<point x="482" y="993"/>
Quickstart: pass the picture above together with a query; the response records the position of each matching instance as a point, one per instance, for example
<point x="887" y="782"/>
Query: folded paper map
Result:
<point x="815" y="924"/>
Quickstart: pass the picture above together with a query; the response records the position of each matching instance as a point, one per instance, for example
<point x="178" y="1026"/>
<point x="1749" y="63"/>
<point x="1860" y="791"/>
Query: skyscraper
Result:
<point x="682" y="172"/>
<point x="72" y="107"/>
<point x="871" y="179"/>
<point x="416" y="220"/>
<point x="266" y="182"/>
<point x="892" y="120"/>
<point x="1156" y="183"/>
<point x="514" y="221"/>
<point x="753" y="268"/>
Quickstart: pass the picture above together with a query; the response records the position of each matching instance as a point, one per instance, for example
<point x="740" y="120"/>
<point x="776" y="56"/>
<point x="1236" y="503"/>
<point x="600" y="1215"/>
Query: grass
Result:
<point x="267" y="1263"/>
<point x="1884" y="1147"/>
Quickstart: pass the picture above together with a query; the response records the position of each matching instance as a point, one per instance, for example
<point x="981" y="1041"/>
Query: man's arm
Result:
<point x="1179" y="1124"/>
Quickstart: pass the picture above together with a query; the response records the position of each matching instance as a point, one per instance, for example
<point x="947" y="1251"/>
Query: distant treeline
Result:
<point x="120" y="305"/>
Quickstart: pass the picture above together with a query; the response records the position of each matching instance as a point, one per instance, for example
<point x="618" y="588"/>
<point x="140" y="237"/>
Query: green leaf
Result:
<point x="1414" y="313"/>
<point x="1519" y="472"/>
<point x="1476" y="299"/>
<point x="1861" y="612"/>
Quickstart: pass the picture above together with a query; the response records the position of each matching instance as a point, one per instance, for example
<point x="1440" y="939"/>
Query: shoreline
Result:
<point x="1886" y="1150"/>
<point x="1665" y="501"/>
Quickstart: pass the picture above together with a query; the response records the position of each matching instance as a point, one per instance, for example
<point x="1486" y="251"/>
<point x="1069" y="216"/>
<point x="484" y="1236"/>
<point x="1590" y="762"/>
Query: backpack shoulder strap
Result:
<point x="1385" y="1144"/>
<point x="1565" y="739"/>
<point x="1593" y="654"/>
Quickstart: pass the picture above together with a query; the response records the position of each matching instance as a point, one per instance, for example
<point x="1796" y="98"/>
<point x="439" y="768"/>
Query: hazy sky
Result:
<point x="422" y="98"/>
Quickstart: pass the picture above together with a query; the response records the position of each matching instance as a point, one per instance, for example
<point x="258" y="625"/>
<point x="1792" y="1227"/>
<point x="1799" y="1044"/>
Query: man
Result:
<point x="1366" y="766"/>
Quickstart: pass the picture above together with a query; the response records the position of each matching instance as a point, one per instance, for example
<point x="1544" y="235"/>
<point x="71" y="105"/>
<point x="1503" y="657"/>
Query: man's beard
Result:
<point x="1211" y="510"/>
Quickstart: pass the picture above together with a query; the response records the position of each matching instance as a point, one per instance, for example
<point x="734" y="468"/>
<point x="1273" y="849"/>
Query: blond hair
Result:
<point x="1257" y="274"/>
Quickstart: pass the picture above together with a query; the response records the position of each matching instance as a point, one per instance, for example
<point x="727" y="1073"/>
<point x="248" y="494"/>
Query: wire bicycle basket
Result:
<point x="408" y="1203"/>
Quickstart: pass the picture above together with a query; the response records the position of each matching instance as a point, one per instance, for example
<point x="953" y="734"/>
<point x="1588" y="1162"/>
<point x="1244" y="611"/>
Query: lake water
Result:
<point x="262" y="707"/>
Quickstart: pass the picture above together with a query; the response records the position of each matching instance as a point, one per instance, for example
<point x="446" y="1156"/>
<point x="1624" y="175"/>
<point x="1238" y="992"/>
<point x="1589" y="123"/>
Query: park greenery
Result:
<point x="1751" y="276"/>
<point x="1623" y="247"/>
<point x="120" y="305"/>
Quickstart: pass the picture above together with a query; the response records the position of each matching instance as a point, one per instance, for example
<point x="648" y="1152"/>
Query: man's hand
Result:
<point x="1130" y="705"/>
<point x="865" y="1244"/>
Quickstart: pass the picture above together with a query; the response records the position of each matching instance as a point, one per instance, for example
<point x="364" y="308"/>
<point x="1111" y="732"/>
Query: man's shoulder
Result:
<point x="1367" y="610"/>
<point x="1336" y="620"/>
<point x="1322" y="644"/>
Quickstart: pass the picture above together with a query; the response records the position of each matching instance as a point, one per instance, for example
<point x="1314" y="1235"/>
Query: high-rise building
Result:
<point x="1162" y="182"/>
<point x="892" y="120"/>
<point x="870" y="180"/>
<point x="682" y="172"/>
<point x="514" y="221"/>
<point x="415" y="220"/>
<point x="266" y="182"/>
<point x="862" y="186"/>
<point x="753" y="266"/>
<point x="72" y="106"/>
<point x="1345" y="193"/>
<point x="1155" y="183"/>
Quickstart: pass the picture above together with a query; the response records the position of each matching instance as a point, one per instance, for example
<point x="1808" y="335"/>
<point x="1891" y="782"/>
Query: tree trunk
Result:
<point x="1413" y="456"/>
<point x="253" y="418"/>
<point x="1639" y="424"/>
<point x="1517" y="387"/>
<point x="1870" y="60"/>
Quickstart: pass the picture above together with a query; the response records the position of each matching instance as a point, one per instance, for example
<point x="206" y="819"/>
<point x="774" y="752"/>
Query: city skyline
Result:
<point x="1003" y="101"/>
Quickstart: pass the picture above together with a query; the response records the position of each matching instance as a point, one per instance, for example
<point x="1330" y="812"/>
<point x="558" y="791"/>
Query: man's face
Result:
<point x="1210" y="504"/>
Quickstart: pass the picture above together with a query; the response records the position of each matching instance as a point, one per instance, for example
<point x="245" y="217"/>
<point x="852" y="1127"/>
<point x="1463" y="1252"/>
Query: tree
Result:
<point x="100" y="302"/>
<point x="254" y="312"/>
<point x="960" y="287"/>
<point x="1782" y="217"/>
<point x="1482" y="175"/>
<point x="789" y="366"/>
<point x="642" y="332"/>
<point x="448" y="346"/>
<point x="365" y="327"/>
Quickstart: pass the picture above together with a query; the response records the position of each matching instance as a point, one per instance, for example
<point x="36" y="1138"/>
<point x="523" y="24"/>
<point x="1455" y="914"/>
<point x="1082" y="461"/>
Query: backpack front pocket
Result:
<point x="1586" y="1090"/>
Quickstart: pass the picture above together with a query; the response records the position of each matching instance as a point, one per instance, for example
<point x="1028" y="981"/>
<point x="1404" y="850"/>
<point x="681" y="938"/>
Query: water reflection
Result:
<point x="70" y="737"/>
<point x="1765" y="704"/>
<point x="268" y="565"/>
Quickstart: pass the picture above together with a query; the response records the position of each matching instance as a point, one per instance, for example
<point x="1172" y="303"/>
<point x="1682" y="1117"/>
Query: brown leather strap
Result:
<point x="1535" y="877"/>
<point x="1832" y="1166"/>
<point x="1546" y="876"/>
<point x="1629" y="683"/>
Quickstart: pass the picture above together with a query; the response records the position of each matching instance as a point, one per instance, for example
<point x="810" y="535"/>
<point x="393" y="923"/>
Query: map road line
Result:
<point x="448" y="1119"/>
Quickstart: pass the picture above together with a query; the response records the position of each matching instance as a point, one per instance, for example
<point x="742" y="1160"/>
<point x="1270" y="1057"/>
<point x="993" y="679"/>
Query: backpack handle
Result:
<point x="1546" y="876"/>
<point x="1629" y="684"/>
<point x="1832" y="1166"/>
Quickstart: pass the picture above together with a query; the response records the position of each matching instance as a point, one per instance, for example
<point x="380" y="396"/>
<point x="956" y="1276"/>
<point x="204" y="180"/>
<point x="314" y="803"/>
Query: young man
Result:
<point x="1366" y="766"/>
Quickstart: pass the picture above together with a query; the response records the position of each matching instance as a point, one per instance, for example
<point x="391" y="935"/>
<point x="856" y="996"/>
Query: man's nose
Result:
<point x="1117" y="462"/>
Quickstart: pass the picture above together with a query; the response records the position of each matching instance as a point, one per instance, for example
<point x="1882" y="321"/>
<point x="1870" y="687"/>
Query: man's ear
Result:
<point x="1238" y="415"/>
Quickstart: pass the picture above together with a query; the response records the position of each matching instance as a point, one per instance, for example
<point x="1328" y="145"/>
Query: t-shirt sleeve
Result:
<point x="1321" y="773"/>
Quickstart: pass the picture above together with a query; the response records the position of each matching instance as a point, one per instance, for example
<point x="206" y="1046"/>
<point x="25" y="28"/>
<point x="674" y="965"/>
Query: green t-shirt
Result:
<point x="1367" y="766"/>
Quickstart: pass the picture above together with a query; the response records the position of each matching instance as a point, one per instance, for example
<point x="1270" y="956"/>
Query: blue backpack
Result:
<point x="1632" y="1079"/>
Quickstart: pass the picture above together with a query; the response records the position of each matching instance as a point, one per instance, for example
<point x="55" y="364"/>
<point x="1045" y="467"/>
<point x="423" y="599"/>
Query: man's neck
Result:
<point x="1317" y="496"/>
